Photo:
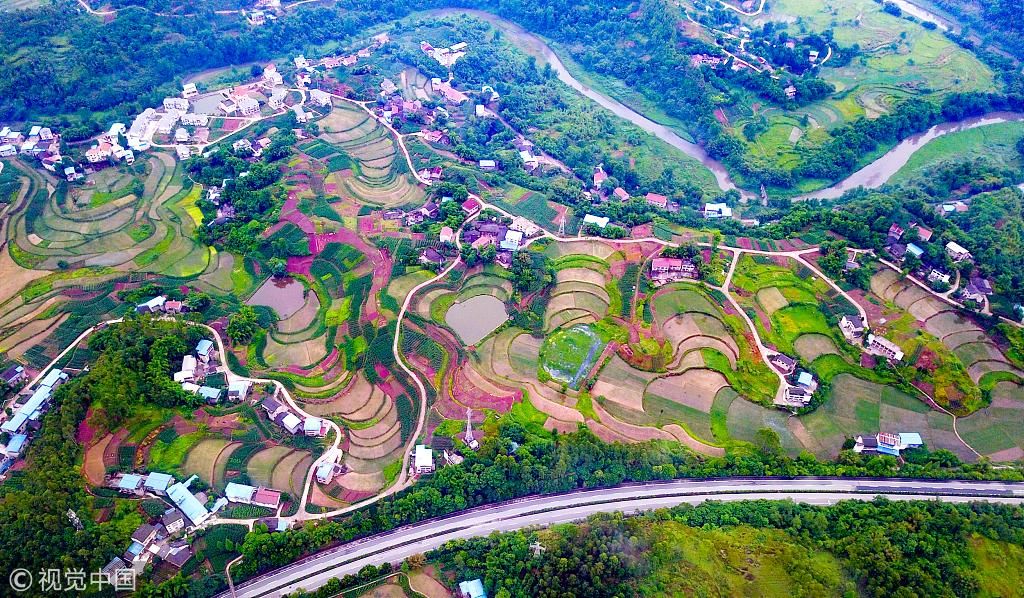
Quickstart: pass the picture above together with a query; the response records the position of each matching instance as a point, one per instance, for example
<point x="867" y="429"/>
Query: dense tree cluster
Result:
<point x="132" y="367"/>
<point x="889" y="548"/>
<point x="544" y="464"/>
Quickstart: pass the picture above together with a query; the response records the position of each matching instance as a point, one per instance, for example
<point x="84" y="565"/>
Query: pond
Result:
<point x="285" y="295"/>
<point x="476" y="317"/>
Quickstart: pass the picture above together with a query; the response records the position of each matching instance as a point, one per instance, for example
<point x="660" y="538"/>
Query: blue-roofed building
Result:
<point x="887" y="450"/>
<point x="914" y="250"/>
<point x="204" y="349"/>
<point x="158" y="482"/>
<point x="153" y="305"/>
<point x="16" y="445"/>
<point x="238" y="390"/>
<point x="15" y="424"/>
<point x="910" y="440"/>
<point x="54" y="378"/>
<point x="6" y="464"/>
<point x="133" y="551"/>
<point x="130" y="483"/>
<point x="211" y="394"/>
<point x="472" y="589"/>
<point x="187" y="502"/>
<point x="805" y="379"/>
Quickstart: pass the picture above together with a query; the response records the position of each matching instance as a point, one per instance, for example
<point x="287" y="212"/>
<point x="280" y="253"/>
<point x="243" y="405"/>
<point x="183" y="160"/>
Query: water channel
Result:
<point x="873" y="175"/>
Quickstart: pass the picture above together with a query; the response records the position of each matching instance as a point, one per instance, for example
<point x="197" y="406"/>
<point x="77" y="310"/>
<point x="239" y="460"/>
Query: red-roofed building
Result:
<point x="621" y="193"/>
<point x="265" y="497"/>
<point x="656" y="200"/>
<point x="666" y="264"/>
<point x="599" y="177"/>
<point x="471" y="206"/>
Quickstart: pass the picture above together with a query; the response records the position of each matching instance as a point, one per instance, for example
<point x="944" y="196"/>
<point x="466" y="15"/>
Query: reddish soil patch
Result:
<point x="642" y="231"/>
<point x="781" y="261"/>
<point x="745" y="242"/>
<point x="353" y="496"/>
<point x="182" y="426"/>
<point x="368" y="225"/>
<point x="618" y="268"/>
<point x="381" y="371"/>
<point x="874" y="312"/>
<point x="86" y="433"/>
<point x="231" y="124"/>
<point x="867" y="360"/>
<point x="110" y="453"/>
<point x="721" y="117"/>
<point x="470" y="395"/>
<point x="705" y="255"/>
<point x="423" y="365"/>
<point x="926" y="361"/>
<point x="729" y="309"/>
<point x="783" y="245"/>
<point x="927" y="387"/>
<point x="560" y="212"/>
<point x="764" y="319"/>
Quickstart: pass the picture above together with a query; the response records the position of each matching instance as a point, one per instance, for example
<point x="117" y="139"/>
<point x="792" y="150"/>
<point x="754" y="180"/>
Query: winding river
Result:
<point x="871" y="176"/>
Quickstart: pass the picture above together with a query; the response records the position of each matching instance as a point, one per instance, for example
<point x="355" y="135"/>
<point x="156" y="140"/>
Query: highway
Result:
<point x="395" y="546"/>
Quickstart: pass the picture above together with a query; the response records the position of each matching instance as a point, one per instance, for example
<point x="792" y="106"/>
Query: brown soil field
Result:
<point x="693" y="388"/>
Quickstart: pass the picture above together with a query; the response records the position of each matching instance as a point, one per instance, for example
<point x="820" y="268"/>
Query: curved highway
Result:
<point x="314" y="571"/>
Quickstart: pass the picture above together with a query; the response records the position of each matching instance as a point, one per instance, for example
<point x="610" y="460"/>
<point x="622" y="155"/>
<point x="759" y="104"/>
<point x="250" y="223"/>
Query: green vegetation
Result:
<point x="568" y="354"/>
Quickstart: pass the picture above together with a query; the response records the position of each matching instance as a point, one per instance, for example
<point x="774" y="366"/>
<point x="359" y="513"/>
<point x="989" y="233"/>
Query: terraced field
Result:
<point x="937" y="327"/>
<point x="363" y="158"/>
<point x="579" y="295"/>
<point x="374" y="432"/>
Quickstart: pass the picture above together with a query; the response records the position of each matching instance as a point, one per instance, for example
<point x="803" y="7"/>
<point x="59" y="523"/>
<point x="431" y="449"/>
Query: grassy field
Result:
<point x="996" y="143"/>
<point x="899" y="60"/>
<point x="568" y="354"/>
<point x="999" y="566"/>
<point x="738" y="561"/>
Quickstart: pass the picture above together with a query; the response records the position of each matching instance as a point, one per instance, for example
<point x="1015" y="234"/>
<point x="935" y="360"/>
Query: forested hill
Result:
<point x="999" y="21"/>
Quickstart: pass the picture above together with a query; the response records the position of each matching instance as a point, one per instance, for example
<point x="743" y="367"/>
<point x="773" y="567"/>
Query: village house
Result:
<point x="7" y="150"/>
<point x="852" y="327"/>
<point x="714" y="211"/>
<point x="301" y="116"/>
<point x="289" y="421"/>
<point x="130" y="483"/>
<point x="431" y="257"/>
<point x="887" y="443"/>
<point x="884" y="347"/>
<point x="242" y="145"/>
<point x="271" y="76"/>
<point x="671" y="268"/>
<point x="320" y="98"/>
<point x="446" y="235"/>
<point x="277" y="97"/>
<point x="13" y="375"/>
<point x="181" y="135"/>
<point x="314" y="426"/>
<point x="487" y="165"/>
<point x="423" y="461"/>
<point x="301" y="63"/>
<point x="783" y="363"/>
<point x="205" y="350"/>
<point x="166" y="121"/>
<point x="470" y="206"/>
<point x="157" y="482"/>
<point x="598" y="221"/>
<point x="657" y="200"/>
<point x="472" y="589"/>
<point x="248" y="106"/>
<point x="937" y="276"/>
<point x="790" y="92"/>
<point x="179" y="104"/>
<point x="228" y="107"/>
<point x="956" y="252"/>
<point x="450" y="94"/>
<point x="513" y="240"/>
<point x="530" y="162"/>
<point x="238" y="390"/>
<point x="98" y="153"/>
<point x="189" y="90"/>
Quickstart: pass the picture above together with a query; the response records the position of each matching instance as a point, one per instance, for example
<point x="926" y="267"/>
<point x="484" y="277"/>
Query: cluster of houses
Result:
<point x="160" y="538"/>
<point x="854" y="329"/>
<point x="801" y="383"/>
<point x="41" y="143"/>
<point x="332" y="62"/>
<point x="28" y="408"/>
<point x="446" y="57"/>
<point x="886" y="443"/>
<point x="292" y="423"/>
<point x="977" y="289"/>
<point x="670" y="269"/>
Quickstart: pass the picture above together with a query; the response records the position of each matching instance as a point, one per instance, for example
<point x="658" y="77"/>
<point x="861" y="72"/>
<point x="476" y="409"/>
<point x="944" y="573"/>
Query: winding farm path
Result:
<point x="729" y="6"/>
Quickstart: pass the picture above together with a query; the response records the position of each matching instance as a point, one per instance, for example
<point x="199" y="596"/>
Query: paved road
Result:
<point x="395" y="546"/>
